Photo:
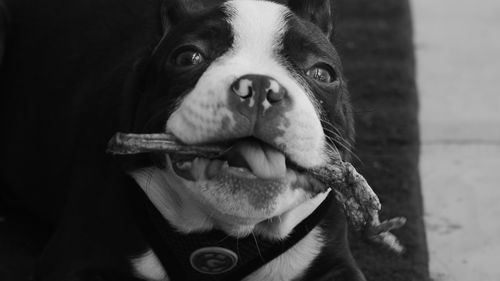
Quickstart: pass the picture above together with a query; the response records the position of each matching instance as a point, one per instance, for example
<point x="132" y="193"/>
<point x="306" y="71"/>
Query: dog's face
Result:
<point x="256" y="76"/>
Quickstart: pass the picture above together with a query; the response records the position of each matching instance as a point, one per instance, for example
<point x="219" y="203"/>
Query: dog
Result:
<point x="260" y="76"/>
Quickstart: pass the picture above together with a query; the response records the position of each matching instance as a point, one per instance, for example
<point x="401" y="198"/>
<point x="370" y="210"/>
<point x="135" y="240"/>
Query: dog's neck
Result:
<point x="167" y="193"/>
<point x="184" y="214"/>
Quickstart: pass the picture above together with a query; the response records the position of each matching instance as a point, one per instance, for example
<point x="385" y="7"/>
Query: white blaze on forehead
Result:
<point x="258" y="28"/>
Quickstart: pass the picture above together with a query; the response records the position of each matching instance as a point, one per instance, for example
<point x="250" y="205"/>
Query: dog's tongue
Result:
<point x="265" y="161"/>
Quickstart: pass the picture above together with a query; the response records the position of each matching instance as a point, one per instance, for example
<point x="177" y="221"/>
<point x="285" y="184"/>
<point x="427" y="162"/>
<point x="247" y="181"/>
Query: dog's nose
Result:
<point x="259" y="87"/>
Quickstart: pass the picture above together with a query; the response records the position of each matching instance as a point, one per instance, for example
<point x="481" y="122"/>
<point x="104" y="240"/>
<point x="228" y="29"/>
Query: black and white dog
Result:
<point x="262" y="76"/>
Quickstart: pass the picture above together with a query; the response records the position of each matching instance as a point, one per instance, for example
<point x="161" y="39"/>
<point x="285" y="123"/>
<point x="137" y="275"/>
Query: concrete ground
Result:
<point x="458" y="55"/>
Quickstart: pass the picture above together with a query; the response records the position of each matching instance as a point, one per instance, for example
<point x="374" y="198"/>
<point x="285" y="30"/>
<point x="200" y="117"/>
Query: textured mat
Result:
<point x="375" y="41"/>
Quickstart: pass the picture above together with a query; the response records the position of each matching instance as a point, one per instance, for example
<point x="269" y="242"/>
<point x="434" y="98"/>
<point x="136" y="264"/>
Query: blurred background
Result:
<point x="457" y="47"/>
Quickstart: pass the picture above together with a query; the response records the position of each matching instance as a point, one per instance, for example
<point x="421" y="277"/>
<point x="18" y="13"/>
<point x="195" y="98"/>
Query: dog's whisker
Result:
<point x="257" y="245"/>
<point x="223" y="239"/>
<point x="331" y="144"/>
<point x="334" y="131"/>
<point x="331" y="128"/>
<point x="150" y="178"/>
<point x="334" y="142"/>
<point x="238" y="246"/>
<point x="337" y="139"/>
<point x="343" y="144"/>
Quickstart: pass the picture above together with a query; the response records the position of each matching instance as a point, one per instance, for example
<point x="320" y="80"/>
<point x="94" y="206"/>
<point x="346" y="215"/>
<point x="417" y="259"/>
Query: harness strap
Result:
<point x="226" y="258"/>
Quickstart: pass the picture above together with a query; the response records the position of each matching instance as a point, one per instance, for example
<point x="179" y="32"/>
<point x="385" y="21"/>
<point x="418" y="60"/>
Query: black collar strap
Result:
<point x="213" y="255"/>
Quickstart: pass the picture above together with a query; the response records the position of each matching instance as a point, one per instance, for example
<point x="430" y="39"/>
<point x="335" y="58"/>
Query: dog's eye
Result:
<point x="321" y="73"/>
<point x="188" y="58"/>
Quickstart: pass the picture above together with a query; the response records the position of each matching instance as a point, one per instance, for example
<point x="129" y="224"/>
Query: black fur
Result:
<point x="64" y="98"/>
<point x="167" y="83"/>
<point x="303" y="49"/>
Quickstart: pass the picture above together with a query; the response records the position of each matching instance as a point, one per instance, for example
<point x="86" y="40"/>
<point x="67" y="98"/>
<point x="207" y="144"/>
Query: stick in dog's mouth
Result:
<point x="361" y="205"/>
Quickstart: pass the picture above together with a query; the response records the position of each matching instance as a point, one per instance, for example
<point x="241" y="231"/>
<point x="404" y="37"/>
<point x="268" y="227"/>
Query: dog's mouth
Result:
<point x="247" y="185"/>
<point x="245" y="162"/>
<point x="240" y="187"/>
<point x="247" y="158"/>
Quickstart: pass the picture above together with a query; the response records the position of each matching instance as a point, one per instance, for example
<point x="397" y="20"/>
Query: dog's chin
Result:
<point x="260" y="198"/>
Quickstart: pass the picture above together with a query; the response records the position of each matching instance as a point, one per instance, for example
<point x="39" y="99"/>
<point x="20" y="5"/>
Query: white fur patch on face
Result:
<point x="206" y="115"/>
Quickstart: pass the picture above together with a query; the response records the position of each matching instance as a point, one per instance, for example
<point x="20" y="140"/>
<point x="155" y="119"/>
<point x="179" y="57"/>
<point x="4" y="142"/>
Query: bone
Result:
<point x="360" y="203"/>
<point x="124" y="144"/>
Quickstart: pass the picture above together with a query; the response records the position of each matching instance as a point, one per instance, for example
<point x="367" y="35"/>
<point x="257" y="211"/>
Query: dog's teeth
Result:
<point x="184" y="165"/>
<point x="198" y="168"/>
<point x="215" y="167"/>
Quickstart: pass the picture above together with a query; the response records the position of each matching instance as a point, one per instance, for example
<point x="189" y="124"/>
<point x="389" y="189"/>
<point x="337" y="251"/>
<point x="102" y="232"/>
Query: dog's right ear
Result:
<point x="173" y="11"/>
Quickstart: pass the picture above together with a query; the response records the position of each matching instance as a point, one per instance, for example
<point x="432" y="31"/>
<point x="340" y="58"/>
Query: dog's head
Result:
<point x="262" y="77"/>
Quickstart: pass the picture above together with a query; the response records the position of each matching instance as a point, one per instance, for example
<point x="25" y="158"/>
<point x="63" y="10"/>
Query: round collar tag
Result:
<point x="213" y="260"/>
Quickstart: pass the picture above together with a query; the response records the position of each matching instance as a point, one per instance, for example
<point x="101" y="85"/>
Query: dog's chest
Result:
<point x="288" y="266"/>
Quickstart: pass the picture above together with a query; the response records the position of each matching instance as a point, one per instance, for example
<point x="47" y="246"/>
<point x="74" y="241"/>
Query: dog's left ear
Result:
<point x="319" y="12"/>
<point x="172" y="12"/>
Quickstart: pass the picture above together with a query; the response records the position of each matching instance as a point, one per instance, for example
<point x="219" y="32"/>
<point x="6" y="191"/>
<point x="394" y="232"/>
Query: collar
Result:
<point x="212" y="255"/>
